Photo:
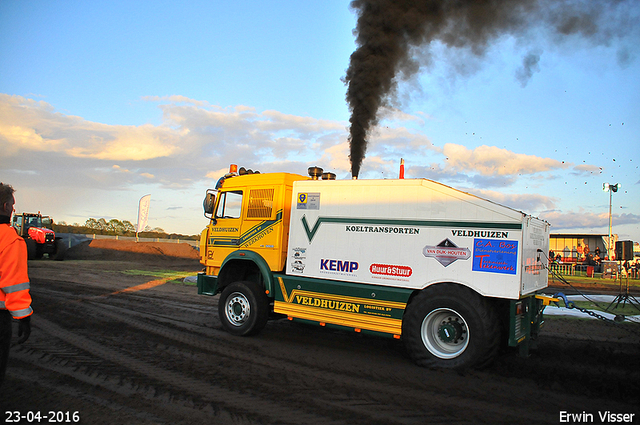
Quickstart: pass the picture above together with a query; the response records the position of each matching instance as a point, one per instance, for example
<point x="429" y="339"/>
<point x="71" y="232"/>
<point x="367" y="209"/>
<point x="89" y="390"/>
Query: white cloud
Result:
<point x="176" y="99"/>
<point x="586" y="169"/>
<point x="491" y="161"/>
<point x="588" y="220"/>
<point x="196" y="137"/>
<point x="128" y="144"/>
<point x="58" y="157"/>
<point x="391" y="114"/>
<point x="523" y="202"/>
<point x="214" y="175"/>
<point x="26" y="138"/>
<point x="26" y="125"/>
<point x="336" y="158"/>
<point x="400" y="139"/>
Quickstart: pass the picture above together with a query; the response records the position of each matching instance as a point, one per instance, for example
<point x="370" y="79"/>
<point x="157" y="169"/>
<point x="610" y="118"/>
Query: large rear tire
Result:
<point x="32" y="249"/>
<point x="450" y="326"/>
<point x="60" y="250"/>
<point x="243" y="308"/>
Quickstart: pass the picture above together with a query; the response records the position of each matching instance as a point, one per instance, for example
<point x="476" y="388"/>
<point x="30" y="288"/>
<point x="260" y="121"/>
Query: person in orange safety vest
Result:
<point x="15" y="300"/>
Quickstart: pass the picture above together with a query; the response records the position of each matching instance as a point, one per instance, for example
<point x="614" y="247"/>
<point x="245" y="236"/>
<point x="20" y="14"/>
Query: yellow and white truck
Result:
<point x="453" y="275"/>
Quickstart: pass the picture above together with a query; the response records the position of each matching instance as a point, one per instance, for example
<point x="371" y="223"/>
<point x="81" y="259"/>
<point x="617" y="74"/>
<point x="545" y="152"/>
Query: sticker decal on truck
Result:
<point x="400" y="226"/>
<point x="390" y="272"/>
<point x="298" y="260"/>
<point x="308" y="201"/>
<point x="446" y="252"/>
<point x="495" y="256"/>
<point x="380" y="315"/>
<point x="341" y="266"/>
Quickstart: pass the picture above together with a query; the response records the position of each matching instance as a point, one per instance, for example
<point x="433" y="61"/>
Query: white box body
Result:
<point x="414" y="233"/>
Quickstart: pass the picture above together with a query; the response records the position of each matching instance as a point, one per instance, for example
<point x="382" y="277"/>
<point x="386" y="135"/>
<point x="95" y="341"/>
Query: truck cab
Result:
<point x="249" y="214"/>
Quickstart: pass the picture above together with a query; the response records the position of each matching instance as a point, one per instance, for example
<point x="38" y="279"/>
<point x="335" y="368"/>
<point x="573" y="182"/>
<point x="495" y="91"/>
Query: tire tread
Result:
<point x="482" y="349"/>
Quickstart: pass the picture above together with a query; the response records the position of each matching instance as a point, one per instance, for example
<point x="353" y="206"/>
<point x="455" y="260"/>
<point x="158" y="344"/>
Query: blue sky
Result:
<point x="104" y="102"/>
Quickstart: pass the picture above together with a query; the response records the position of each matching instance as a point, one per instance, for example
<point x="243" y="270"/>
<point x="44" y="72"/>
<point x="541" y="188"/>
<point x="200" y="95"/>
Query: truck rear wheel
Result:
<point x="243" y="308"/>
<point x="450" y="326"/>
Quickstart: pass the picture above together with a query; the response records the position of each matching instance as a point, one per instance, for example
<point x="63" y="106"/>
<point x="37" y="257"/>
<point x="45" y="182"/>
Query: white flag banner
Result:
<point x="143" y="212"/>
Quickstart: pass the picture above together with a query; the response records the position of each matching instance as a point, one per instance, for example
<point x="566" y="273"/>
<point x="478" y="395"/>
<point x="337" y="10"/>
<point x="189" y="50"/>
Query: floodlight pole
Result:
<point x="610" y="188"/>
<point x="610" y="223"/>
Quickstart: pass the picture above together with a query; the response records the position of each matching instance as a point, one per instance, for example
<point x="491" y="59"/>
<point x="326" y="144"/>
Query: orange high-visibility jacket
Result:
<point x="14" y="279"/>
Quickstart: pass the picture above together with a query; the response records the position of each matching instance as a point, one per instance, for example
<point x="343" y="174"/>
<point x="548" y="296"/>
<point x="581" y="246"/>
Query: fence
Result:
<point x="72" y="239"/>
<point x="564" y="269"/>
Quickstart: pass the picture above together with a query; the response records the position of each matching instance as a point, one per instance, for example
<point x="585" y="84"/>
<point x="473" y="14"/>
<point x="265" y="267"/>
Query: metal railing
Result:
<point x="564" y="269"/>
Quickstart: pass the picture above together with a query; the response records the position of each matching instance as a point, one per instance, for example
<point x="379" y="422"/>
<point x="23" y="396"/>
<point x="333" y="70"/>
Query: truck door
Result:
<point x="224" y="235"/>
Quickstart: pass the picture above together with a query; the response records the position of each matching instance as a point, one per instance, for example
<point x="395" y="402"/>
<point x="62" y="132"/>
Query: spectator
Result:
<point x="15" y="300"/>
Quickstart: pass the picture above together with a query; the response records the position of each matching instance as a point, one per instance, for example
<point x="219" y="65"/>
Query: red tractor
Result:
<point x="40" y="239"/>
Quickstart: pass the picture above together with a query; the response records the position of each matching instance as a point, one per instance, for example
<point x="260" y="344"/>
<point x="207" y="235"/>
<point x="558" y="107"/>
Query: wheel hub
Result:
<point x="445" y="333"/>
<point x="238" y="309"/>
<point x="450" y="331"/>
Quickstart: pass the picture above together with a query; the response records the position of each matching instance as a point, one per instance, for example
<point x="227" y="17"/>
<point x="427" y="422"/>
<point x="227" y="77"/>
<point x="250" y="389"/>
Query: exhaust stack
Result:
<point x="314" y="172"/>
<point x="328" y="176"/>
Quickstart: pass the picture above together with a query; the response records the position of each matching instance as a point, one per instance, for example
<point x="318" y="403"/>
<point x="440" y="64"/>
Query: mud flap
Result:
<point x="207" y="285"/>
<point x="525" y="320"/>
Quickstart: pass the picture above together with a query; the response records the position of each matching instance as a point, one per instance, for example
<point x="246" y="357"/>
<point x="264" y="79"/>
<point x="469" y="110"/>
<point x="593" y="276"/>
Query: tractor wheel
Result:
<point x="39" y="251"/>
<point x="243" y="308"/>
<point x="450" y="326"/>
<point x="60" y="251"/>
<point x="32" y="248"/>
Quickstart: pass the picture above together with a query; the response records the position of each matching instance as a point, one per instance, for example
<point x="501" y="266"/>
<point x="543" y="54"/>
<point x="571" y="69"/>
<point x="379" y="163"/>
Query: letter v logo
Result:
<point x="311" y="232"/>
<point x="289" y="298"/>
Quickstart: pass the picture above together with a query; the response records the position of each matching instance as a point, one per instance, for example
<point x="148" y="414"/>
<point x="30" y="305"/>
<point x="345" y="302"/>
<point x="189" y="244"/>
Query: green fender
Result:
<point x="263" y="267"/>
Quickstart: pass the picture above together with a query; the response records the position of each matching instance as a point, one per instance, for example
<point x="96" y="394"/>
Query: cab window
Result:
<point x="229" y="205"/>
<point x="17" y="222"/>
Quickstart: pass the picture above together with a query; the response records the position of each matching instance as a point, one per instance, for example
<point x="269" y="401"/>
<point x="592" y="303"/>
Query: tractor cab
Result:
<point x="22" y="222"/>
<point x="37" y="234"/>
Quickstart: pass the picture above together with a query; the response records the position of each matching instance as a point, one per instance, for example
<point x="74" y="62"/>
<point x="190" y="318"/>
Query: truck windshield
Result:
<point x="230" y="205"/>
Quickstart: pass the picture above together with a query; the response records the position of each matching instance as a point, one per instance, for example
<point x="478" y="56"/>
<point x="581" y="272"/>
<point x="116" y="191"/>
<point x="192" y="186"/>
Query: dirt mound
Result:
<point x="116" y="250"/>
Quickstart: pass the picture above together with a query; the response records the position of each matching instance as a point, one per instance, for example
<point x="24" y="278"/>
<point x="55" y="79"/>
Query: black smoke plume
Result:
<point x="389" y="31"/>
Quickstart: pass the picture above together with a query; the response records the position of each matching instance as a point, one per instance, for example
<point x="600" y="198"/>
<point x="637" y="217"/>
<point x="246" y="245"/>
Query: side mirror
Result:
<point x="209" y="203"/>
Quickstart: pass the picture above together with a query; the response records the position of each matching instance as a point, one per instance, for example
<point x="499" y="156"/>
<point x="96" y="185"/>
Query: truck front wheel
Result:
<point x="243" y="308"/>
<point x="450" y="326"/>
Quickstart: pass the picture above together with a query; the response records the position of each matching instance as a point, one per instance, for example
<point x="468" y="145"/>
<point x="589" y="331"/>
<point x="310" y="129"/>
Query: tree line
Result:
<point x="115" y="227"/>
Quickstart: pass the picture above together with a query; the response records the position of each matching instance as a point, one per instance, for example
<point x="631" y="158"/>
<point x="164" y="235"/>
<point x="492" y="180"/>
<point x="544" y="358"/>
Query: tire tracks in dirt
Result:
<point x="238" y="402"/>
<point x="177" y="358"/>
<point x="379" y="391"/>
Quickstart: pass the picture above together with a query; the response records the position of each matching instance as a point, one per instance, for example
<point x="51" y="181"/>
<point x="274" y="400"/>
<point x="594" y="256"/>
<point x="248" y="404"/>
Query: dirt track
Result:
<point x="117" y="352"/>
